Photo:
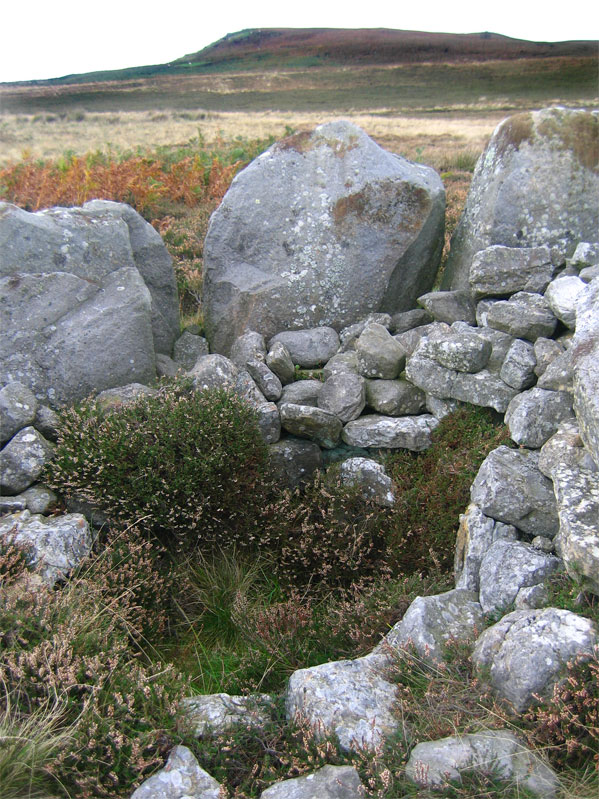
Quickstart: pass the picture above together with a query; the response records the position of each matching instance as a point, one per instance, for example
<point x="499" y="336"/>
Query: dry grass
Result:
<point x="49" y="135"/>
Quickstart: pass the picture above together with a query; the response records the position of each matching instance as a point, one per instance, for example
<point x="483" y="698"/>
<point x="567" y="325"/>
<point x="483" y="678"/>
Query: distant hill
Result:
<point x="276" y="48"/>
<point x="255" y="47"/>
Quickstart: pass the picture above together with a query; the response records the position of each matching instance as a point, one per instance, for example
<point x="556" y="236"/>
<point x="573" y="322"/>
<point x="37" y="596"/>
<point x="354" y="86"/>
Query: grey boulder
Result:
<point x="536" y="184"/>
<point x="498" y="753"/>
<point x="534" y="415"/>
<point x="322" y="229"/>
<point x="525" y="653"/>
<point x="22" y="460"/>
<point x="499" y="271"/>
<point x="371" y="479"/>
<point x="329" y="782"/>
<point x="406" y="432"/>
<point x="18" y="408"/>
<point x="310" y="347"/>
<point x="181" y="778"/>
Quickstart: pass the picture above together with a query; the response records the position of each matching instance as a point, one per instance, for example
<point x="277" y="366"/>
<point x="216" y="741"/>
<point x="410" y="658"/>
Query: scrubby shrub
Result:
<point x="325" y="536"/>
<point x="567" y="723"/>
<point x="77" y="679"/>
<point x="189" y="464"/>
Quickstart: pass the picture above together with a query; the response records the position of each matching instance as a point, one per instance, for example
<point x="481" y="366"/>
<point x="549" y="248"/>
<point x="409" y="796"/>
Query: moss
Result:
<point x="576" y="132"/>
<point x="514" y="132"/>
<point x="382" y="203"/>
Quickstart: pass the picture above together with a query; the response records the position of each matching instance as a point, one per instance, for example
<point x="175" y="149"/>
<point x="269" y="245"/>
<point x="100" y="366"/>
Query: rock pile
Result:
<point x="516" y="330"/>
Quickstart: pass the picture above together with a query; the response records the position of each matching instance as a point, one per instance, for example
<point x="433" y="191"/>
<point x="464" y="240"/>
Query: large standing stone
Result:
<point x="525" y="652"/>
<point x="66" y="336"/>
<point x="89" y="295"/>
<point x="536" y="183"/>
<point x="322" y="229"/>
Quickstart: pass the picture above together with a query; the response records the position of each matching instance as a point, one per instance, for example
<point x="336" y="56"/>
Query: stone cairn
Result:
<point x="516" y="328"/>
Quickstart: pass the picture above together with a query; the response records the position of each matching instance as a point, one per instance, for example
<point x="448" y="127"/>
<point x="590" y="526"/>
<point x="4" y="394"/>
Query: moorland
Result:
<point x="93" y="677"/>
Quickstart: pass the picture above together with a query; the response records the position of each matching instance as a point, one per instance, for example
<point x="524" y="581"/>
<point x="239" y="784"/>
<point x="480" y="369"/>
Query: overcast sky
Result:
<point x="52" y="38"/>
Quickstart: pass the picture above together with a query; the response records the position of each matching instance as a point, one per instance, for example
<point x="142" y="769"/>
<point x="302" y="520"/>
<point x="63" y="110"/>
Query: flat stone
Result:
<point x="302" y="392"/>
<point x="407" y="432"/>
<point x="499" y="271"/>
<point x="342" y="362"/>
<point x="562" y="295"/>
<point x="113" y="398"/>
<point x="461" y="351"/>
<point x="213" y="714"/>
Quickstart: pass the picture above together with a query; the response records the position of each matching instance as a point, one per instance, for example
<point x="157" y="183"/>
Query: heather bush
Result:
<point x="189" y="464"/>
<point x="73" y="666"/>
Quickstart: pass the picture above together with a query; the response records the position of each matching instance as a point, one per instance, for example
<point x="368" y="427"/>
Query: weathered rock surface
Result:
<point x="534" y="416"/>
<point x="344" y="395"/>
<point x="188" y="348"/>
<point x="55" y="545"/>
<point x="524" y="315"/>
<point x="322" y="229"/>
<point x="370" y="477"/>
<point x="349" y="698"/>
<point x="408" y="432"/>
<point x="302" y="392"/>
<point x="395" y="397"/>
<point x="18" y="408"/>
<point x="214" y="371"/>
<point x="462" y="351"/>
<point x="449" y="306"/>
<point x="577" y="495"/>
<point x="431" y="621"/>
<point x="562" y="296"/>
<point x="181" y="778"/>
<point x="279" y="361"/>
<point x="310" y="347"/>
<point x="500" y="271"/>
<point x="518" y="367"/>
<point x="304" y="421"/>
<point x="217" y="713"/>
<point x="510" y="488"/>
<point x="536" y="184"/>
<point x="22" y="460"/>
<point x="475" y="535"/>
<point x="526" y="651"/>
<point x="585" y="360"/>
<point x="378" y="354"/>
<point x="495" y="752"/>
<point x="329" y="782"/>
<point x="293" y="461"/>
<point x="509" y="566"/>
<point x="266" y="380"/>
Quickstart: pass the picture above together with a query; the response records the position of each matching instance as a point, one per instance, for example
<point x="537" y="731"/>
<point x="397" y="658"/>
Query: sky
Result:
<point x="52" y="38"/>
